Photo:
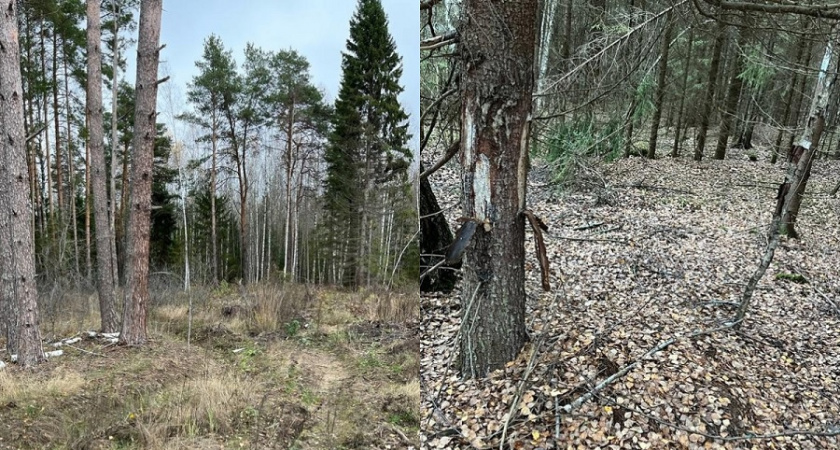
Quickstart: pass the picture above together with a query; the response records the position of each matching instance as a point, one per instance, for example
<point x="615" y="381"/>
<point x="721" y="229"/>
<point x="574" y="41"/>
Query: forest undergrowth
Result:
<point x="270" y="366"/>
<point x="643" y="252"/>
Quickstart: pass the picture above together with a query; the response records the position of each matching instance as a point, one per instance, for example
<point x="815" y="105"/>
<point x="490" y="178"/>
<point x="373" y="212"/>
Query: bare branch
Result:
<point x="819" y="11"/>
<point x="450" y="152"/>
<point x="441" y="40"/>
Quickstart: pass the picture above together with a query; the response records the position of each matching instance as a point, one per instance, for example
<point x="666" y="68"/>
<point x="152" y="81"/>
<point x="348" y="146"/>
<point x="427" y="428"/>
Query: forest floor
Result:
<point x="340" y="370"/>
<point x="643" y="252"/>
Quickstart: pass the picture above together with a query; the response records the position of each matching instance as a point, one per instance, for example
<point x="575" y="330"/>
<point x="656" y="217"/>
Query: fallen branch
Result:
<point x="588" y="226"/>
<point x="616" y="241"/>
<point x="828" y="432"/>
<point x="578" y="402"/>
<point x="647" y="187"/>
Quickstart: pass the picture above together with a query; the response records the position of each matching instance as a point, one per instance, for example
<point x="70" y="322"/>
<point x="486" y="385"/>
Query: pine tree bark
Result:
<point x="105" y="282"/>
<point x="17" y="248"/>
<point x="705" y="114"/>
<point x="137" y="262"/>
<point x="497" y="51"/>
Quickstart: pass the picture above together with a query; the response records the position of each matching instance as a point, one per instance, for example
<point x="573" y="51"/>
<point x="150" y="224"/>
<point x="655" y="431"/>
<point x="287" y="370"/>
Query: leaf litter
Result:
<point x="645" y="253"/>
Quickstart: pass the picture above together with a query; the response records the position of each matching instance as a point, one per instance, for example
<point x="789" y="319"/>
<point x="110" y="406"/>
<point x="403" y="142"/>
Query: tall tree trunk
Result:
<point x="290" y="123"/>
<point x="48" y="173"/>
<point x="59" y="178"/>
<point x="788" y="101"/>
<point x="706" y="113"/>
<point x="88" y="197"/>
<point x="733" y="94"/>
<point x="137" y="262"/>
<point x="104" y="272"/>
<point x="661" y="78"/>
<point x="71" y="176"/>
<point x="112" y="208"/>
<point x="498" y="56"/>
<point x="17" y="247"/>
<point x="214" y="243"/>
<point x="675" y="150"/>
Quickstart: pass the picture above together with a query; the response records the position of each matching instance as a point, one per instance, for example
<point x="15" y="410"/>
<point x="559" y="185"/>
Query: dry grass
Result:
<point x="314" y="370"/>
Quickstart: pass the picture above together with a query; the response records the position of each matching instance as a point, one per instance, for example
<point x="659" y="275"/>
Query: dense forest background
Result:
<point x="243" y="197"/>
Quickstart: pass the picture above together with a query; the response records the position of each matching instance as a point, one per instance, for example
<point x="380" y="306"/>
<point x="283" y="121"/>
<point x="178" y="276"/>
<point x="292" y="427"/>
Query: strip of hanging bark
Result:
<point x="462" y="237"/>
<point x="539" y="226"/>
<point x="450" y="152"/>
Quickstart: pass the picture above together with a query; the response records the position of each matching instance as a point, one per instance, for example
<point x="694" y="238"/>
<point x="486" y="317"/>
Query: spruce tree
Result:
<point x="367" y="153"/>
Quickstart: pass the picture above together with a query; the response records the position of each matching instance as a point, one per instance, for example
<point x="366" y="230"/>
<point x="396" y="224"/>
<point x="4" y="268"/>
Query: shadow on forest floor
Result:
<point x="266" y="368"/>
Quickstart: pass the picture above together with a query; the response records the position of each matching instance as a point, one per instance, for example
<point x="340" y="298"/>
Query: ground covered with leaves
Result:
<point x="340" y="370"/>
<point x="643" y="254"/>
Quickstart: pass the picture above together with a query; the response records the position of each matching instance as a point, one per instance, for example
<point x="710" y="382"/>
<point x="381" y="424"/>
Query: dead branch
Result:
<point x="588" y="226"/>
<point x="818" y="11"/>
<point x="623" y="371"/>
<point x="450" y="152"/>
<point x="441" y="40"/>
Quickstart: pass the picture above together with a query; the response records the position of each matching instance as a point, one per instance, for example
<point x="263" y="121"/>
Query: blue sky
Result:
<point x="318" y="29"/>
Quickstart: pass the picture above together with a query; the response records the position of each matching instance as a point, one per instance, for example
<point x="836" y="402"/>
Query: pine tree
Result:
<point x="368" y="146"/>
<point x="212" y="92"/>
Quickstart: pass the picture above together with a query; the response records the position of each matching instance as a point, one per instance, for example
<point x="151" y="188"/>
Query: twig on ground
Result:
<point x="588" y="226"/>
<point x="578" y="402"/>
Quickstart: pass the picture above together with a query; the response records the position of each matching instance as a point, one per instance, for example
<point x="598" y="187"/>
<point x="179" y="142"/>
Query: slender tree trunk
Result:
<point x="799" y="163"/>
<point x="214" y="243"/>
<point x="289" y="175"/>
<point x="137" y="267"/>
<point x="497" y="50"/>
<point x="17" y="248"/>
<point x="105" y="281"/>
<point x="675" y="150"/>
<point x="112" y="206"/>
<point x="71" y="178"/>
<point x="59" y="171"/>
<point x="88" y="197"/>
<point x="48" y="173"/>
<point x="661" y="79"/>
<point x="733" y="94"/>
<point x="706" y="113"/>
